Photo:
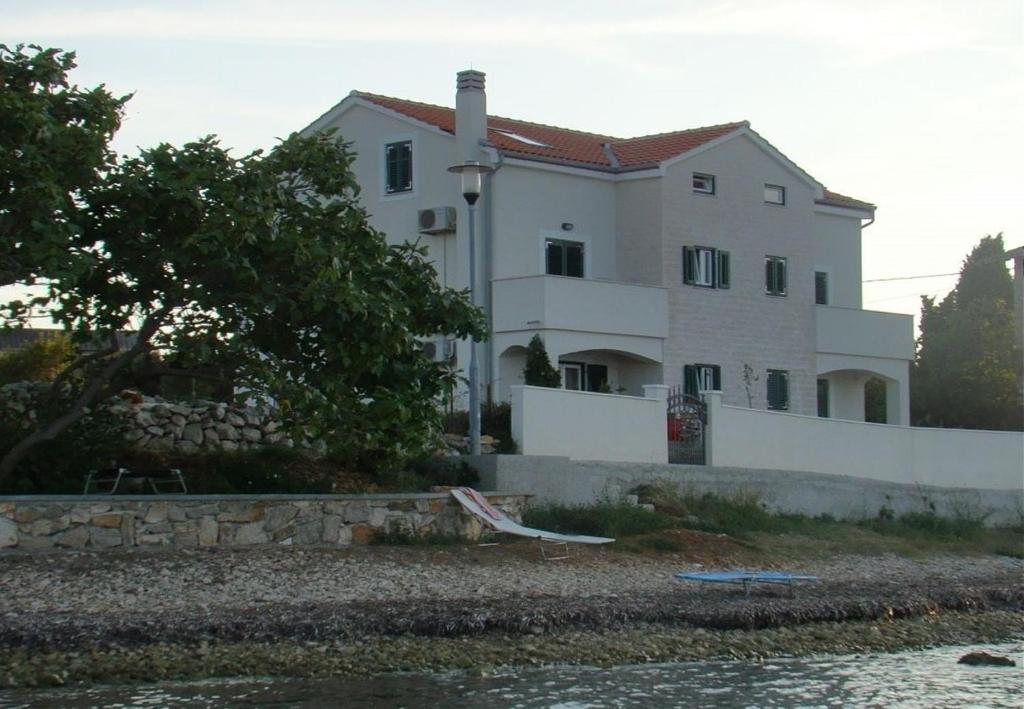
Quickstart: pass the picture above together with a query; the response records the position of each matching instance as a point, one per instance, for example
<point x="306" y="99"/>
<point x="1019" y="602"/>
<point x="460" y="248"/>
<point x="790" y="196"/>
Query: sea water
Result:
<point x="925" y="678"/>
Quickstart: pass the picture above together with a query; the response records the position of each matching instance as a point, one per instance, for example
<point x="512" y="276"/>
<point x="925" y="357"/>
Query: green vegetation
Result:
<point x="495" y="421"/>
<point x="39" y="361"/>
<point x="421" y="475"/>
<point x="968" y="368"/>
<point x="606" y="519"/>
<point x="265" y="262"/>
<point x="538" y="371"/>
<point x="742" y="526"/>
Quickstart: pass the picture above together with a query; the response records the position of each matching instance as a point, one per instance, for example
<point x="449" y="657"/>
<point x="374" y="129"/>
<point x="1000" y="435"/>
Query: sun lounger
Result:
<point x="497" y="521"/>
<point x="746" y="578"/>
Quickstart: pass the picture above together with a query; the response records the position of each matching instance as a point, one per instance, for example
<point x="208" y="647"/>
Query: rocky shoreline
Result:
<point x="73" y="618"/>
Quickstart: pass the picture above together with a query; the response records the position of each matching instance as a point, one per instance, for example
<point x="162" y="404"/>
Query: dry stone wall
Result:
<point x="152" y="423"/>
<point x="104" y="522"/>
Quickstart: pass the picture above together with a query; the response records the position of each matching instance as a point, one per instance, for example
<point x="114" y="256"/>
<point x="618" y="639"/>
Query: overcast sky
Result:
<point x="915" y="106"/>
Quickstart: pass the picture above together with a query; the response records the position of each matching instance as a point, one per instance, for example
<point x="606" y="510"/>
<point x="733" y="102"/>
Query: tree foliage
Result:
<point x="968" y="368"/>
<point x="538" y="371"/>
<point x="54" y="142"/>
<point x="266" y="262"/>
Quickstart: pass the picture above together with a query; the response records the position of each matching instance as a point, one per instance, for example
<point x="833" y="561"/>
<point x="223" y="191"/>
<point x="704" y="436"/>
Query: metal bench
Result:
<point x="96" y="480"/>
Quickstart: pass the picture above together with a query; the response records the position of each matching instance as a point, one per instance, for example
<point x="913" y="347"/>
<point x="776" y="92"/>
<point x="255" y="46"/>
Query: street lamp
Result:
<point x="471" y="172"/>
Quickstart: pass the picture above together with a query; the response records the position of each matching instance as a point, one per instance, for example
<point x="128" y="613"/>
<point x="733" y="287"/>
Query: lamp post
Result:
<point x="471" y="171"/>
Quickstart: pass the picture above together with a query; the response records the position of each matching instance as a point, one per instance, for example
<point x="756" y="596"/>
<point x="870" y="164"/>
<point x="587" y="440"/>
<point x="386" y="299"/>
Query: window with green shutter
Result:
<point x="820" y="288"/>
<point x="778" y="390"/>
<point x="398" y="167"/>
<point x="823" y="407"/>
<point x="706" y="267"/>
<point x="775" y="275"/>
<point x="699" y="378"/>
<point x="564" y="258"/>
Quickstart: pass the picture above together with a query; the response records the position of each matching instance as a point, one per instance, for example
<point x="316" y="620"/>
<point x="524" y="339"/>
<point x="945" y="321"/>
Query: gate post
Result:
<point x="713" y="401"/>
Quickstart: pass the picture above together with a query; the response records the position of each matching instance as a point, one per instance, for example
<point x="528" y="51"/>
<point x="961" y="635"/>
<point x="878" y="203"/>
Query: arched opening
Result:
<point x="859" y="395"/>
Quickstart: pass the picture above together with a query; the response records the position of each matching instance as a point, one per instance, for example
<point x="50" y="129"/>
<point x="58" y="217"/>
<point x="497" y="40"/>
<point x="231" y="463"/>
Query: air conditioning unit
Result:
<point x="438" y="349"/>
<point x="439" y="220"/>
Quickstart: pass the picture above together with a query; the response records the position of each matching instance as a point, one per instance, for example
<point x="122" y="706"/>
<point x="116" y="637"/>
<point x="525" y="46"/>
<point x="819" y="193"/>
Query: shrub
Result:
<point x="606" y="519"/>
<point x="538" y="371"/>
<point x="421" y="475"/>
<point x="495" y="420"/>
<point x="40" y="360"/>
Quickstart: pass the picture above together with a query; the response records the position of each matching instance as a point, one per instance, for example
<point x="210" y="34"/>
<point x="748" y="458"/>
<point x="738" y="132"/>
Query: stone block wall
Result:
<point x="101" y="522"/>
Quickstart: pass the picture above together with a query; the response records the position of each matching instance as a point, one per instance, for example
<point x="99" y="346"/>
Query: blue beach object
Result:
<point x="745" y="578"/>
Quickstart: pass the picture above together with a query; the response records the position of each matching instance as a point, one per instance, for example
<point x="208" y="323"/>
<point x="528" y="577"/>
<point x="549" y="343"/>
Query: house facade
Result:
<point x="703" y="258"/>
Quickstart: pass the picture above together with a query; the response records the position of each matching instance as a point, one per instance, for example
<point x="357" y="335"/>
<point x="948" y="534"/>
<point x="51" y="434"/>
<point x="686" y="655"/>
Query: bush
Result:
<point x="538" y="371"/>
<point x="606" y="519"/>
<point x="421" y="475"/>
<point x="59" y="466"/>
<point x="41" y="360"/>
<point x="925" y="524"/>
<point x="495" y="421"/>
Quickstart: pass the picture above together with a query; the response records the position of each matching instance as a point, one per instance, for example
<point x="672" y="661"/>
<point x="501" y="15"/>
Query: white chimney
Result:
<point x="470" y="113"/>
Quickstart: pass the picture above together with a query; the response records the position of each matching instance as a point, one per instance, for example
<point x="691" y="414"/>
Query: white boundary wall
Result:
<point x="750" y="438"/>
<point x="580" y="424"/>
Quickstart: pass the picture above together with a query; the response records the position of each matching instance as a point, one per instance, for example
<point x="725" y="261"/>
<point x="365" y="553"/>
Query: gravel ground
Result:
<point x="85" y="617"/>
<point x="180" y="581"/>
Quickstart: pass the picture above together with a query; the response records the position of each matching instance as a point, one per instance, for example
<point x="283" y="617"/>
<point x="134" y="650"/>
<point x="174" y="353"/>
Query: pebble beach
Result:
<point x="129" y="616"/>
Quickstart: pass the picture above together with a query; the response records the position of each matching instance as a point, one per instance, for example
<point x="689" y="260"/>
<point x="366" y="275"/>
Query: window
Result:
<point x="774" y="275"/>
<point x="579" y="376"/>
<point x="703" y="184"/>
<point x="398" y="167"/>
<point x="699" y="378"/>
<point x="823" y="410"/>
<point x="774" y="194"/>
<point x="706" y="267"/>
<point x="778" y="390"/>
<point x="572" y="376"/>
<point x="820" y="288"/>
<point x="564" y="258"/>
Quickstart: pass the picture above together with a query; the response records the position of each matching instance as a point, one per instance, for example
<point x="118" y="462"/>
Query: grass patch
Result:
<point x="404" y="538"/>
<point x="606" y="519"/>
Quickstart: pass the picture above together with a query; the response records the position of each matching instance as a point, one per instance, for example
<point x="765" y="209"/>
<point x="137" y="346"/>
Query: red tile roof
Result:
<point x="588" y="150"/>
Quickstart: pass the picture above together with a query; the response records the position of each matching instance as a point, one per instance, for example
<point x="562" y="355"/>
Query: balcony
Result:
<point x="864" y="333"/>
<point x="580" y="305"/>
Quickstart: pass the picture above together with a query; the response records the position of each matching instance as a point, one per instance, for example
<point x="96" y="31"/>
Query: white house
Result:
<point x="703" y="257"/>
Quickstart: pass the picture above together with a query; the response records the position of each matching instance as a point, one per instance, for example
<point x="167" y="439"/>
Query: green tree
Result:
<point x="968" y="366"/>
<point x="538" y="371"/>
<point x="264" y="261"/>
<point x="54" y="142"/>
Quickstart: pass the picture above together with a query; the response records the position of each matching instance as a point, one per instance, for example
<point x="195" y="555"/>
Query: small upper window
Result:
<point x="398" y="167"/>
<point x="774" y="194"/>
<point x="564" y="258"/>
<point x="704" y="184"/>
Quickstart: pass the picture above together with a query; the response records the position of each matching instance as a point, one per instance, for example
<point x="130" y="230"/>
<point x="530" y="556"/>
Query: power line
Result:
<point x="909" y="278"/>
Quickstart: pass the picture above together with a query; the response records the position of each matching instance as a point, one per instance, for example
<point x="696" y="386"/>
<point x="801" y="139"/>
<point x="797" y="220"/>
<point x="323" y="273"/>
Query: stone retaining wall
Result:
<point x="103" y="521"/>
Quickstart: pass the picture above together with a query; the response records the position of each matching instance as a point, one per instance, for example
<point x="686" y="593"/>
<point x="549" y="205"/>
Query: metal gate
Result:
<point x="687" y="427"/>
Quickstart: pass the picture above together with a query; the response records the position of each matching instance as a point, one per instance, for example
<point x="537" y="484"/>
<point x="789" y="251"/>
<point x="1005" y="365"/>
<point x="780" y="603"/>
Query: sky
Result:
<point x="914" y="106"/>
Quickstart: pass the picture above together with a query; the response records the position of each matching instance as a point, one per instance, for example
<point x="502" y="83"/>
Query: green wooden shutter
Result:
<point x="769" y="275"/>
<point x="716" y="377"/>
<point x="391" y="167"/>
<point x="689" y="264"/>
<point x="690" y="380"/>
<point x="780" y="280"/>
<point x="724" y="276"/>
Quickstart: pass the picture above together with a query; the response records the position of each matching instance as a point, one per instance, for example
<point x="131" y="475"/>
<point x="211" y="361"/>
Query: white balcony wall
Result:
<point x="864" y="333"/>
<point x="588" y="426"/>
<point x="580" y="304"/>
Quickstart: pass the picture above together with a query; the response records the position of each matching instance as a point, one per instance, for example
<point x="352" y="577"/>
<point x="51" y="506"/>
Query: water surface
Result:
<point x="927" y="678"/>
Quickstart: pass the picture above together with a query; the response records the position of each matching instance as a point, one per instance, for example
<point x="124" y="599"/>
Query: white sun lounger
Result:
<point x="496" y="520"/>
